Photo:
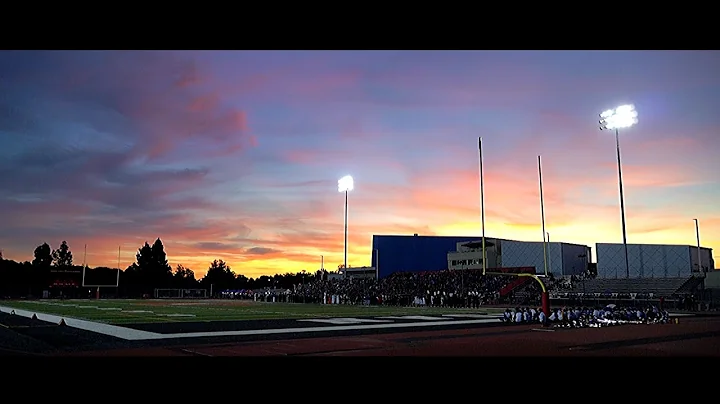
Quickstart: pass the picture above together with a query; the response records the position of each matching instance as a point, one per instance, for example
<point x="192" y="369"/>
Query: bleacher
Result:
<point x="690" y="286"/>
<point x="659" y="287"/>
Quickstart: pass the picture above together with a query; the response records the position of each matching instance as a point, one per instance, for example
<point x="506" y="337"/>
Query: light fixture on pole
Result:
<point x="482" y="205"/>
<point x="621" y="117"/>
<point x="697" y="234"/>
<point x="345" y="184"/>
<point x="542" y="216"/>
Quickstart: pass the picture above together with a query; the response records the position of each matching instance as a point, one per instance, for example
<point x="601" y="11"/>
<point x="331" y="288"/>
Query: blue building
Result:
<point x="416" y="253"/>
<point x="413" y="253"/>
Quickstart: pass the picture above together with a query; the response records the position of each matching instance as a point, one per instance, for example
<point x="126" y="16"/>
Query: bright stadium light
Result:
<point x="621" y="117"/>
<point x="346" y="184"/>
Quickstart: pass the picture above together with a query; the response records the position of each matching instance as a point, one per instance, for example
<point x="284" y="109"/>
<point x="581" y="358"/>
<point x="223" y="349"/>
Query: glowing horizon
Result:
<point x="237" y="155"/>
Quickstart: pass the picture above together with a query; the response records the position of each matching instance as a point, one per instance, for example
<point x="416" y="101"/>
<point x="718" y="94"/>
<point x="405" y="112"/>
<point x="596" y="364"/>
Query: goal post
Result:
<point x="97" y="287"/>
<point x="180" y="293"/>
<point x="99" y="283"/>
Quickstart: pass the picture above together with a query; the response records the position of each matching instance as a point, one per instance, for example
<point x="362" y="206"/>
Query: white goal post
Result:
<point x="85" y="267"/>
<point x="180" y="294"/>
<point x="115" y="285"/>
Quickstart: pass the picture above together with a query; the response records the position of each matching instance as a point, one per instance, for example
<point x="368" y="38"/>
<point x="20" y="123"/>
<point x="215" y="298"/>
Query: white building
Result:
<point x="651" y="260"/>
<point x="562" y="258"/>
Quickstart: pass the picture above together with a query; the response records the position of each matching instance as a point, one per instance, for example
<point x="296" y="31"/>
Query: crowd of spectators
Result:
<point x="568" y="282"/>
<point x="580" y="317"/>
<point x="468" y="288"/>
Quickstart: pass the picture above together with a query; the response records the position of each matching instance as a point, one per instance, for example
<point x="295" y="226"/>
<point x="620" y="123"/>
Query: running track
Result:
<point x="692" y="337"/>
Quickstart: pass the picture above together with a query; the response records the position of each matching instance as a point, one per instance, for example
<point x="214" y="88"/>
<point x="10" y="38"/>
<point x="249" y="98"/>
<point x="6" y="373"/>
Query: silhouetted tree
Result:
<point x="144" y="258"/>
<point x="220" y="275"/>
<point x="264" y="282"/>
<point x="152" y="270"/>
<point x="160" y="258"/>
<point x="62" y="257"/>
<point x="242" y="282"/>
<point x="43" y="256"/>
<point x="184" y="278"/>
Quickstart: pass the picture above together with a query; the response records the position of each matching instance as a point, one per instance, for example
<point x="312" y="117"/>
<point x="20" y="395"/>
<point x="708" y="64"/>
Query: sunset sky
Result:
<point x="236" y="155"/>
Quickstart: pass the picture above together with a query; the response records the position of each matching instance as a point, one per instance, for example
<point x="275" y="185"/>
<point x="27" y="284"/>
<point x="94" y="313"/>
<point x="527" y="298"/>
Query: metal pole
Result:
<point x="346" y="192"/>
<point x="549" y="255"/>
<point x="622" y="204"/>
<point x="542" y="216"/>
<point x="697" y="233"/>
<point x="84" y="265"/>
<point x="482" y="205"/>
<point x="377" y="264"/>
<point x="117" y="281"/>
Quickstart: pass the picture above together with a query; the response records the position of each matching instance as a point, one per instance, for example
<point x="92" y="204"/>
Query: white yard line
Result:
<point x="137" y="335"/>
<point x="426" y="318"/>
<point x="100" y="328"/>
<point x="495" y="316"/>
<point x="345" y="320"/>
<point x="319" y="329"/>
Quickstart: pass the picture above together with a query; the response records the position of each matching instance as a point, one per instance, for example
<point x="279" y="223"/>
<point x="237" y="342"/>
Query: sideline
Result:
<point x="100" y="328"/>
<point x="137" y="335"/>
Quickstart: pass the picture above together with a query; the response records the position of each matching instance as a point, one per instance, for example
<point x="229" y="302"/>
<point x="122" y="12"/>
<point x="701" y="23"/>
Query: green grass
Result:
<point x="144" y="311"/>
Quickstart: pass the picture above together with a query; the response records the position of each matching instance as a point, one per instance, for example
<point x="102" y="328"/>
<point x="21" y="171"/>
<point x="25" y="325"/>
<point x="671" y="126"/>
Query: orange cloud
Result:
<point x="407" y="132"/>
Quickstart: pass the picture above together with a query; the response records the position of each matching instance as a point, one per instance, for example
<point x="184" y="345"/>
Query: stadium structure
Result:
<point x="652" y="261"/>
<point x="656" y="271"/>
<point x="401" y="253"/>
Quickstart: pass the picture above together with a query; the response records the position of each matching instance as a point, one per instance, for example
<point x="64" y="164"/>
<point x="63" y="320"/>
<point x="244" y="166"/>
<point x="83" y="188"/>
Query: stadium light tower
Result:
<point x="345" y="184"/>
<point x="542" y="217"/>
<point x="621" y="117"/>
<point x="697" y="234"/>
<point x="482" y="204"/>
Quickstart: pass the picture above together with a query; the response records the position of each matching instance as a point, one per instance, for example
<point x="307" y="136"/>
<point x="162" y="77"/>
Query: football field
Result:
<point x="119" y="312"/>
<point x="248" y="328"/>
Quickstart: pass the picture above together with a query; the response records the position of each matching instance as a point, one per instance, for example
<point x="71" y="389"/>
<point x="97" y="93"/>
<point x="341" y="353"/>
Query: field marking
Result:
<point x="119" y="311"/>
<point x="100" y="328"/>
<point x="323" y="329"/>
<point x="424" y="318"/>
<point x="472" y="315"/>
<point x="345" y="320"/>
<point x="137" y="335"/>
<point x="195" y="352"/>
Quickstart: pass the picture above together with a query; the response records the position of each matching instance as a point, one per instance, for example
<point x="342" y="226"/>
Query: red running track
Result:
<point x="688" y="338"/>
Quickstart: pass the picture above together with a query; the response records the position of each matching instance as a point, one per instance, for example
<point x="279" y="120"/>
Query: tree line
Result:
<point x="151" y="270"/>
